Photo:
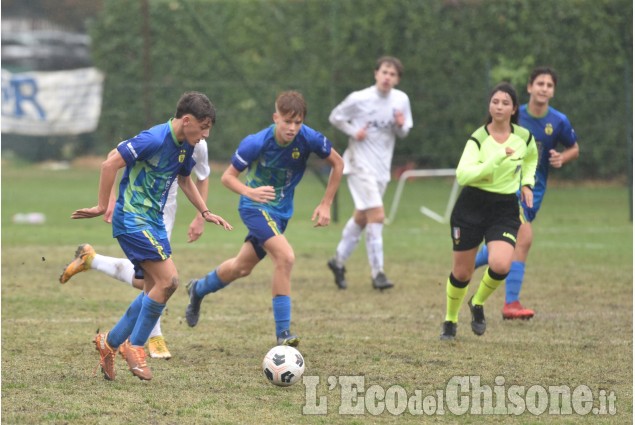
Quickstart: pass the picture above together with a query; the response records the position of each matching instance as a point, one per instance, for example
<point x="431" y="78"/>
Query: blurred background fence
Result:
<point x="243" y="52"/>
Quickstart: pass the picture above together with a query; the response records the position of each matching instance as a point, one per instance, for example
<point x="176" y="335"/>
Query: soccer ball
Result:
<point x="283" y="365"/>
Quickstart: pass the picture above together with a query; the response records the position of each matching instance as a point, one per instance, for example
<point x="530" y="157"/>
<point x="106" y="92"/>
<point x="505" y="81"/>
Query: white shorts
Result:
<point x="169" y="214"/>
<point x="366" y="191"/>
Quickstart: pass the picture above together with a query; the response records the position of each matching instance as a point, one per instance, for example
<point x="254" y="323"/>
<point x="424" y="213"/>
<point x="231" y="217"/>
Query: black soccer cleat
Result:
<point x="381" y="282"/>
<point x="193" y="310"/>
<point x="478" y="318"/>
<point x="338" y="273"/>
<point x="448" y="331"/>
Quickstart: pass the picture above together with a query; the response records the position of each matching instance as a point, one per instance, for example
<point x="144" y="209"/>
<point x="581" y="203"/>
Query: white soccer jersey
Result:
<point x="374" y="110"/>
<point x="201" y="169"/>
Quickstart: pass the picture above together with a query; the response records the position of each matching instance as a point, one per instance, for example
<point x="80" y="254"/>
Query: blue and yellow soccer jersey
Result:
<point x="153" y="160"/>
<point x="549" y="130"/>
<point x="272" y="164"/>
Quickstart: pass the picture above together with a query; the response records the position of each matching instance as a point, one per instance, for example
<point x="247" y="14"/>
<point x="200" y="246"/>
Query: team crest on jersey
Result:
<point x="548" y="129"/>
<point x="296" y="153"/>
<point x="182" y="156"/>
<point x="456" y="235"/>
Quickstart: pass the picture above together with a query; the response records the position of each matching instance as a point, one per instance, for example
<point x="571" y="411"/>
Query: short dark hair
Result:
<point x="392" y="61"/>
<point x="540" y="70"/>
<point x="291" y="102"/>
<point x="196" y="104"/>
<point x="505" y="87"/>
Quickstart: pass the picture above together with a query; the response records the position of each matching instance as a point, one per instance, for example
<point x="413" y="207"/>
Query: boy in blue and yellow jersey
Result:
<point x="498" y="158"/>
<point x="275" y="159"/>
<point x="121" y="269"/>
<point x="550" y="128"/>
<point x="153" y="160"/>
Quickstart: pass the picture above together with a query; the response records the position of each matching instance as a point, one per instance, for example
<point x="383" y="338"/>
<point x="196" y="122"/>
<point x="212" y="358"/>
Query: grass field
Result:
<point x="579" y="280"/>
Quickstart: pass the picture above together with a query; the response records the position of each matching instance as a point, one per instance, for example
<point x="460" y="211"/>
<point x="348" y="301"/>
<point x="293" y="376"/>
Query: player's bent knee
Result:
<point x="175" y="281"/>
<point x="240" y="271"/>
<point x="499" y="267"/>
<point x="457" y="282"/>
<point x="169" y="287"/>
<point x="462" y="274"/>
<point x="286" y="261"/>
<point x="497" y="275"/>
<point x="173" y="284"/>
<point x="523" y="244"/>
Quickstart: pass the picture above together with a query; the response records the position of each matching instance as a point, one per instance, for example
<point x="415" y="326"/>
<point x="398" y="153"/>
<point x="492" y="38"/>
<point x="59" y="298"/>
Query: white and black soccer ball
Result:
<point x="283" y="365"/>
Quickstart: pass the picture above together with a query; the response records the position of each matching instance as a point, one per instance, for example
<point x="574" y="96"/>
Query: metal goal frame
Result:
<point x="441" y="172"/>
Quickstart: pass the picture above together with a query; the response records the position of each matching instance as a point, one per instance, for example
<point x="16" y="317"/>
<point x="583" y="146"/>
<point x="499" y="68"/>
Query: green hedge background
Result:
<point x="241" y="53"/>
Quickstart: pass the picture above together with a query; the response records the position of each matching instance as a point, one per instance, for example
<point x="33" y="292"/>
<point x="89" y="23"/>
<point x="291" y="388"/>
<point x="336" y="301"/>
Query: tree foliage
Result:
<point x="242" y="52"/>
<point x="71" y="14"/>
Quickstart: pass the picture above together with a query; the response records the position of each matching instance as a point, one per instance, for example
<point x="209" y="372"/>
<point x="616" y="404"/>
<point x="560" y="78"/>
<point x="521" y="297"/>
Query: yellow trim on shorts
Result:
<point x="155" y="244"/>
<point x="523" y="219"/>
<point x="271" y="223"/>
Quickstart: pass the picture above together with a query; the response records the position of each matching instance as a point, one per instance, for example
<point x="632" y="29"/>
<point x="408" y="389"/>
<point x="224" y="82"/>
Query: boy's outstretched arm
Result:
<point x="322" y="213"/>
<point x="109" y="169"/>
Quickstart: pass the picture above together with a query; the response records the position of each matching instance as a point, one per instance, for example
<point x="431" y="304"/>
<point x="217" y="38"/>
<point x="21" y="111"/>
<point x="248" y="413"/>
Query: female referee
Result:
<point x="498" y="158"/>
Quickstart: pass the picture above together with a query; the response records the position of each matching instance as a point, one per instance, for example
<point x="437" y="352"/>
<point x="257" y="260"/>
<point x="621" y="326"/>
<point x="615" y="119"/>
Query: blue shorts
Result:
<point x="529" y="214"/>
<point x="144" y="246"/>
<point x="262" y="226"/>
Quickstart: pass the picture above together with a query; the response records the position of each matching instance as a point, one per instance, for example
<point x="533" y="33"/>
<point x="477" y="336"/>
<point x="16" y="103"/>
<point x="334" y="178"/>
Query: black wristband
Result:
<point x="206" y="211"/>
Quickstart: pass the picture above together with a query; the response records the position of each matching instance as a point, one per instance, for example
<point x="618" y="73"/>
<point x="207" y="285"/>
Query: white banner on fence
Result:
<point x="51" y="103"/>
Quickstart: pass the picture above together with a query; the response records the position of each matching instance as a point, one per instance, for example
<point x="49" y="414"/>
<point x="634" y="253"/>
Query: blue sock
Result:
<point x="514" y="281"/>
<point x="281" y="312"/>
<point x="148" y="317"/>
<point x="122" y="330"/>
<point x="481" y="256"/>
<point x="210" y="283"/>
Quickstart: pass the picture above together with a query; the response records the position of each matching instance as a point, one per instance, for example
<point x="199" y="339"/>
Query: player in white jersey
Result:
<point x="122" y="269"/>
<point x="372" y="118"/>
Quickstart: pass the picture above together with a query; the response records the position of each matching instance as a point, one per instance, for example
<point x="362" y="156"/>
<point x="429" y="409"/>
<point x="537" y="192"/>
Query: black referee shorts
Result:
<point x="479" y="215"/>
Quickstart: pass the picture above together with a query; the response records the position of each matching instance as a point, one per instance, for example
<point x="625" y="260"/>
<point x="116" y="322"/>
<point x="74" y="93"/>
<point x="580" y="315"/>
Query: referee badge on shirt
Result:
<point x="456" y="235"/>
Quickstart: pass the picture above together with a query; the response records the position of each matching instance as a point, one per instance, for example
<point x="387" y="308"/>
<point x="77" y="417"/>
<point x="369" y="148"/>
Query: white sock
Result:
<point x="350" y="238"/>
<point x="375" y="247"/>
<point x="118" y="268"/>
<point x="156" y="331"/>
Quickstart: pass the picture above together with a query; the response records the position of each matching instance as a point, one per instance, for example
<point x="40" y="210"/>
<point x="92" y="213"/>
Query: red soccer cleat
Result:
<point x="515" y="310"/>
